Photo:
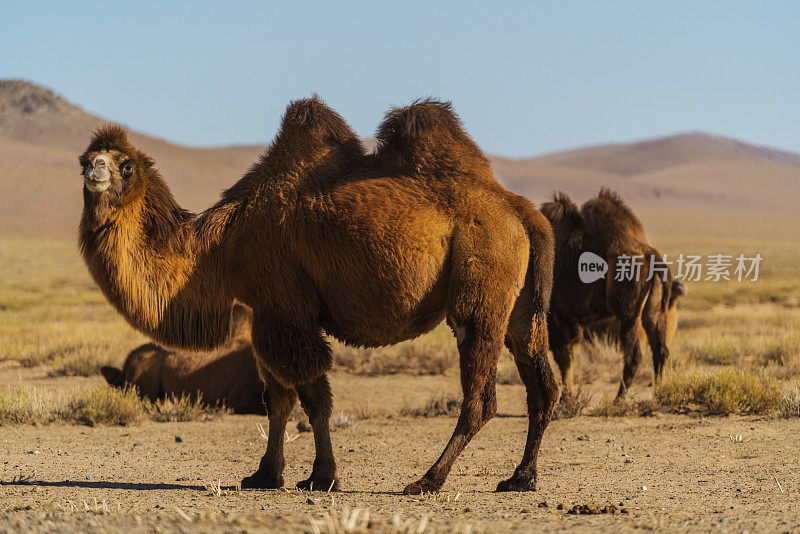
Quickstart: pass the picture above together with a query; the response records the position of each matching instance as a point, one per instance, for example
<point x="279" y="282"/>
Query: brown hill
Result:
<point x="690" y="172"/>
<point x="41" y="135"/>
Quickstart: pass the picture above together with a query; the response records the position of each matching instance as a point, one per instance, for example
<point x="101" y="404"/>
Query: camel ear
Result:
<point x="112" y="375"/>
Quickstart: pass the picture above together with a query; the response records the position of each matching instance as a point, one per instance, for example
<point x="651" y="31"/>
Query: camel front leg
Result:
<point x="629" y="338"/>
<point x="317" y="401"/>
<point x="279" y="402"/>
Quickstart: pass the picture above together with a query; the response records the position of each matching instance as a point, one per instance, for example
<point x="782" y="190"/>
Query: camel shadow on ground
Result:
<point x="151" y="486"/>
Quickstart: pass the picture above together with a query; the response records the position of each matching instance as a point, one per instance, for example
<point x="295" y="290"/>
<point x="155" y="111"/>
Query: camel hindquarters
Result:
<point x="488" y="268"/>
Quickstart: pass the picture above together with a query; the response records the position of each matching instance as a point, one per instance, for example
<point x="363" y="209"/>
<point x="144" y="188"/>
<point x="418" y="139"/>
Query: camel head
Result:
<point x="113" y="375"/>
<point x="115" y="174"/>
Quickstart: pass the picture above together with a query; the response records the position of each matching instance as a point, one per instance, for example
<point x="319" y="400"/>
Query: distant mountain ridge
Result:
<point x="42" y="134"/>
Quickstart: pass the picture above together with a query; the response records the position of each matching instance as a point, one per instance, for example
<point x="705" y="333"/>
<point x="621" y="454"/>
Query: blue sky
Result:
<point x="526" y="77"/>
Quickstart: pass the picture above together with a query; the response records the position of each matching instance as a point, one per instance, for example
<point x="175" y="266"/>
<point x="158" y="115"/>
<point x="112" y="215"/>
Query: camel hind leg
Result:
<point x="479" y="347"/>
<point x="526" y="338"/>
<point x="563" y="335"/>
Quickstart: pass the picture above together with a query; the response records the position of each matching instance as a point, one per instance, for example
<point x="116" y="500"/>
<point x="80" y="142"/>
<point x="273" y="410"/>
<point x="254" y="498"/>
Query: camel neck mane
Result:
<point x="155" y="265"/>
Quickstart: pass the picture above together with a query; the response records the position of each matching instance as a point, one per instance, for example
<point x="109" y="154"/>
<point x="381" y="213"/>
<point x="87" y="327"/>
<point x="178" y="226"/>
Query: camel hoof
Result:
<point x="420" y="487"/>
<point x="319" y="484"/>
<point x="256" y="481"/>
<point x="516" y="483"/>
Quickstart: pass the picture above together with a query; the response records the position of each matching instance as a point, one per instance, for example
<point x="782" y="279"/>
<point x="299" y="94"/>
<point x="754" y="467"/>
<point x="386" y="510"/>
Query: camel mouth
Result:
<point x="97" y="186"/>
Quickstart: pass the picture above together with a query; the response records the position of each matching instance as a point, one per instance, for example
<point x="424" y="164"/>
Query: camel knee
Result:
<point x="278" y="408"/>
<point x="489" y="403"/>
<point x="544" y="399"/>
<point x="317" y="400"/>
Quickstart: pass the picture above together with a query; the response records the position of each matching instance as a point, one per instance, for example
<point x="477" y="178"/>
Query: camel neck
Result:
<point x="153" y="265"/>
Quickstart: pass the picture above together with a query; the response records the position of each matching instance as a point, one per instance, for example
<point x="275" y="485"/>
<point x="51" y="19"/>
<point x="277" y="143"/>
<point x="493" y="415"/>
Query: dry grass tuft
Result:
<point x="94" y="507"/>
<point x="722" y="392"/>
<point x="97" y="407"/>
<point x="183" y="408"/>
<point x="445" y="405"/>
<point x="507" y="373"/>
<point x="431" y="354"/>
<point x="105" y="406"/>
<point x="344" y="420"/>
<point x="572" y="404"/>
<point x="790" y="407"/>
<point x="624" y="407"/>
<point x="25" y="405"/>
<point x="360" y="521"/>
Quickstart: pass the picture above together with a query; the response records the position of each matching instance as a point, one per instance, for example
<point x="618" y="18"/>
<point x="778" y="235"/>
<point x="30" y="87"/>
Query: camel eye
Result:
<point x="127" y="169"/>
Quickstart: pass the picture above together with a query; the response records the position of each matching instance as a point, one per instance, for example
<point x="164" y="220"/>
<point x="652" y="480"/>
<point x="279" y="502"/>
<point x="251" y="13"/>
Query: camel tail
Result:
<point x="542" y="252"/>
<point x="666" y="281"/>
<point x="540" y="266"/>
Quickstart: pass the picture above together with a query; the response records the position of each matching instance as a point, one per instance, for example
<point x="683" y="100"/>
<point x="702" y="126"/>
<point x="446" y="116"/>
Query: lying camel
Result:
<point x="606" y="227"/>
<point x="321" y="238"/>
<point x="226" y="376"/>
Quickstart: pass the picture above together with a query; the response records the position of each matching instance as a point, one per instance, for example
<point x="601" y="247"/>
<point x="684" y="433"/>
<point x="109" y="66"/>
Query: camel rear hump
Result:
<point x="428" y="138"/>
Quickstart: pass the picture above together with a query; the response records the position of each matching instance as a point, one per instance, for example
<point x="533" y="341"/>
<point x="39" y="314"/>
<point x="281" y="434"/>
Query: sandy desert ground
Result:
<point x="665" y="472"/>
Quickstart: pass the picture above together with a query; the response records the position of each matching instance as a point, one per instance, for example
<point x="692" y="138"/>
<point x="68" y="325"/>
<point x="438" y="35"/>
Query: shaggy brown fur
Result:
<point x="609" y="328"/>
<point x="227" y="376"/>
<point x="607" y="227"/>
<point x="319" y="237"/>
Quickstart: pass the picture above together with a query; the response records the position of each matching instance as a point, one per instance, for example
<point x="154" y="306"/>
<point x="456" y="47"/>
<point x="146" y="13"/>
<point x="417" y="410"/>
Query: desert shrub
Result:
<point x="720" y="393"/>
<point x="790" y="407"/>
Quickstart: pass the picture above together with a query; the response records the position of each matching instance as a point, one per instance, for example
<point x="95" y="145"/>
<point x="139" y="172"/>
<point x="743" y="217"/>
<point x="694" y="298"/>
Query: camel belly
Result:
<point x="385" y="302"/>
<point x="381" y="272"/>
